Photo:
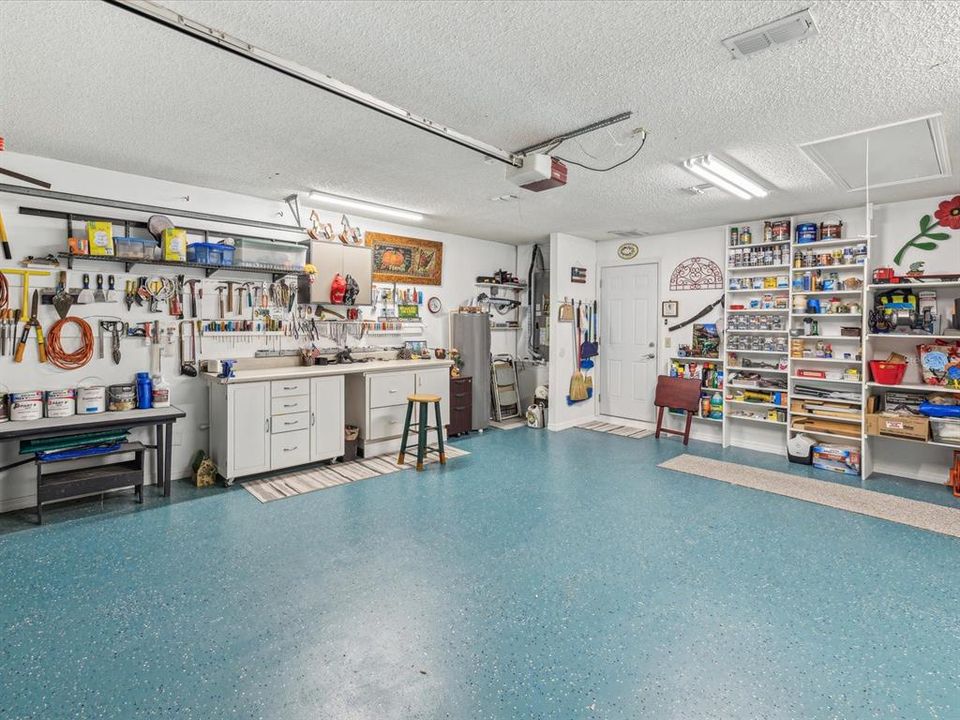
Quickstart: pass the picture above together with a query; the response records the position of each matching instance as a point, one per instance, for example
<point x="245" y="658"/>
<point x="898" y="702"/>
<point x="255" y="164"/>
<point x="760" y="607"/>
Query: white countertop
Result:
<point x="308" y="371"/>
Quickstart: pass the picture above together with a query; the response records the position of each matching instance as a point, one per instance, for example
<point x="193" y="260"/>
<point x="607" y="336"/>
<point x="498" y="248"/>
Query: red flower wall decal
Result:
<point x="948" y="216"/>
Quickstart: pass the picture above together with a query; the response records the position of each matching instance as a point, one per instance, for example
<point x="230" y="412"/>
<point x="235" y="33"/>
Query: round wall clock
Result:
<point x="628" y="251"/>
<point x="434" y="305"/>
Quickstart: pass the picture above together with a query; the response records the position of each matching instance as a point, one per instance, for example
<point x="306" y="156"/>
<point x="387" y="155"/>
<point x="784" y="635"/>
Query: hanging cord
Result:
<point x="70" y="360"/>
<point x="643" y="141"/>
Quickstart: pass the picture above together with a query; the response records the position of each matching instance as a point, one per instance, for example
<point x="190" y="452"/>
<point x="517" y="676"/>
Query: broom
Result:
<point x="578" y="384"/>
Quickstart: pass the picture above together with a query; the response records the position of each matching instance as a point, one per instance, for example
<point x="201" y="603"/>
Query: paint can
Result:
<point x="91" y="399"/>
<point x="61" y="403"/>
<point x="806" y="233"/>
<point x="121" y="397"/>
<point x="26" y="405"/>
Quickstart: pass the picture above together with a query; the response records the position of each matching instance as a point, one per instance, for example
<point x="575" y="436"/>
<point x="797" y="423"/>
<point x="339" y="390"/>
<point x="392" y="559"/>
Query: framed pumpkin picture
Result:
<point x="398" y="259"/>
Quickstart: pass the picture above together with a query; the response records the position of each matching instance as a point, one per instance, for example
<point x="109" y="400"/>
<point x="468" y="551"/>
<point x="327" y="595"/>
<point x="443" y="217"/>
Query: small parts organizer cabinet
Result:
<point x="377" y="403"/>
<point x="91" y="480"/>
<point x="275" y="424"/>
<point x="461" y="406"/>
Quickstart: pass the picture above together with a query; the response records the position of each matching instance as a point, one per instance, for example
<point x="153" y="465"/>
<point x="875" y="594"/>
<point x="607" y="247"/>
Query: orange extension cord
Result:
<point x="79" y="357"/>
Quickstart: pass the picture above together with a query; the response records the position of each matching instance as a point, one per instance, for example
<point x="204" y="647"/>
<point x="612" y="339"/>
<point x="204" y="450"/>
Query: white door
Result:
<point x="326" y="417"/>
<point x="250" y="428"/>
<point x="628" y="340"/>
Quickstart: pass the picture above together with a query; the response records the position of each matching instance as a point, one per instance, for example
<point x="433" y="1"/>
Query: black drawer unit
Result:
<point x="461" y="406"/>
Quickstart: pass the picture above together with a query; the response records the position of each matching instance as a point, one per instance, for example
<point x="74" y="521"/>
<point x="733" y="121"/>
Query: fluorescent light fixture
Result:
<point x="718" y="173"/>
<point x="364" y="206"/>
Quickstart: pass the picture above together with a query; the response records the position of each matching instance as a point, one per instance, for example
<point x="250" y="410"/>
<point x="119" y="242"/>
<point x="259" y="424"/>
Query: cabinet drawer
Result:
<point x="292" y="448"/>
<point x="387" y="422"/>
<point x="390" y="389"/>
<point x="287" y="388"/>
<point x="288" y="405"/>
<point x="289" y="423"/>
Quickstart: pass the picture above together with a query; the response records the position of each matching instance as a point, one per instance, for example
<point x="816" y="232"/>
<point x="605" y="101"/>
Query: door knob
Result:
<point x="651" y="356"/>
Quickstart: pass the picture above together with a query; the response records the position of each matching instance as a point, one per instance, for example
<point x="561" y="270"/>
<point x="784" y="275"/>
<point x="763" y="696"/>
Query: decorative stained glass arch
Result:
<point x="697" y="273"/>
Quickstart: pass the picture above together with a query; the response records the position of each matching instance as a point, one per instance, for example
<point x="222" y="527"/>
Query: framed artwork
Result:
<point x="669" y="308"/>
<point x="398" y="259"/>
<point x="628" y="251"/>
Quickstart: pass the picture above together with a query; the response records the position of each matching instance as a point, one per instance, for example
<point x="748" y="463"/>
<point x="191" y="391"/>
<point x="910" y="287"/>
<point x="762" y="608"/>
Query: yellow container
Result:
<point x="100" y="237"/>
<point x="174" y="244"/>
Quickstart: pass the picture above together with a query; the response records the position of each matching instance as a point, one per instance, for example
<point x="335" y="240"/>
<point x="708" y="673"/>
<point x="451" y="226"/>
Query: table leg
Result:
<point x="158" y="457"/>
<point x="167" y="459"/>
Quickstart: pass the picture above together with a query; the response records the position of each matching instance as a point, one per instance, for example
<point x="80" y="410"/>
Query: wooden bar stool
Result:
<point x="422" y="427"/>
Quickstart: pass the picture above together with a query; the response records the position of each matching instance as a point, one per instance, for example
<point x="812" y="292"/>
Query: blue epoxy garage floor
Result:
<point x="547" y="575"/>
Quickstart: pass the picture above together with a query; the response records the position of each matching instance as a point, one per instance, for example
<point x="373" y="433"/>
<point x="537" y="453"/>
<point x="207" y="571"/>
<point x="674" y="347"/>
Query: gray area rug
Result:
<point x="926" y="516"/>
<point x="326" y="476"/>
<point x="613" y="429"/>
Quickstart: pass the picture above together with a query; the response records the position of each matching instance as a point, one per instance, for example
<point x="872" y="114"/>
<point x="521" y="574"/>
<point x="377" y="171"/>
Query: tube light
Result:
<point x="718" y="167"/>
<point x="364" y="206"/>
<point x="716" y="180"/>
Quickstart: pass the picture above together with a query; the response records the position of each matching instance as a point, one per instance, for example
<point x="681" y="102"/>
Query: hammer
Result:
<point x="25" y="297"/>
<point x="193" y="295"/>
<point x="230" y="284"/>
<point x="220" y="289"/>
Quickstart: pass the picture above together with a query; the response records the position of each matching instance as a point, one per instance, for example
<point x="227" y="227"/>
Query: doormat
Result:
<point x="326" y="476"/>
<point x="926" y="516"/>
<point x="511" y="424"/>
<point x="614" y="429"/>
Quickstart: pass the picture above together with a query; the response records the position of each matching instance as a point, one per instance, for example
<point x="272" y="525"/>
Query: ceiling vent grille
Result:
<point x="627" y="233"/>
<point x="903" y="152"/>
<point x="789" y="29"/>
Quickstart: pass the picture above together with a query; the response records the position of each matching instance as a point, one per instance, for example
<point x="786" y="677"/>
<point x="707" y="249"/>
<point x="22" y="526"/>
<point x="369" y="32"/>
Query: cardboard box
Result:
<point x="907" y="426"/>
<point x="837" y="458"/>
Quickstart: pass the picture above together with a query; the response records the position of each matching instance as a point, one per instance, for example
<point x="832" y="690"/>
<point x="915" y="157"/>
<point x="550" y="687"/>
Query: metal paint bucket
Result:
<point x="91" y="400"/>
<point x="806" y="233"/>
<point x="121" y="397"/>
<point x="61" y="403"/>
<point x="26" y="405"/>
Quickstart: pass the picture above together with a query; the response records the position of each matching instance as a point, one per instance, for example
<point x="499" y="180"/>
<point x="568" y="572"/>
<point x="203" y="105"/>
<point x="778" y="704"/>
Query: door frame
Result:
<point x="655" y="261"/>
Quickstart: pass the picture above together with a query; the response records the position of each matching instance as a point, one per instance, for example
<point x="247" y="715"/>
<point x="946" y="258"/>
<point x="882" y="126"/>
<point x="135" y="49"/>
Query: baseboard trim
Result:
<point x="570" y="423"/>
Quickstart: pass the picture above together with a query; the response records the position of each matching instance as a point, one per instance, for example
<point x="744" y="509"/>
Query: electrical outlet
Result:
<point x="668" y="341"/>
<point x="177" y="438"/>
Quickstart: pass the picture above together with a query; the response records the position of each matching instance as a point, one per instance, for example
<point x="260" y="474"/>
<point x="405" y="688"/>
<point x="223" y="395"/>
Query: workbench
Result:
<point x="161" y="419"/>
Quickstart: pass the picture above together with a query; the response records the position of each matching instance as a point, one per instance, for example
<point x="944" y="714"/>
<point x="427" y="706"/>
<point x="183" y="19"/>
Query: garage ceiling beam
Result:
<point x="168" y="18"/>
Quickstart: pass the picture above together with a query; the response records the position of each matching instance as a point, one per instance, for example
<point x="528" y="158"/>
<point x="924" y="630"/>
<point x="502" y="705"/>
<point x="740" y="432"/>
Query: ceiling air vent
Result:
<point x="627" y="233"/>
<point x="798" y="26"/>
<point x="903" y="152"/>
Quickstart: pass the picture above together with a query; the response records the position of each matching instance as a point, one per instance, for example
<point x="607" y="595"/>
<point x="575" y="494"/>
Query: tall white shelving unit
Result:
<point x="755" y="338"/>
<point x="835" y="269"/>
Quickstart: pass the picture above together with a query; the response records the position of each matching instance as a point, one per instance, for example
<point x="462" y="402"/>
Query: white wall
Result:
<point x="464" y="259"/>
<point x="568" y="251"/>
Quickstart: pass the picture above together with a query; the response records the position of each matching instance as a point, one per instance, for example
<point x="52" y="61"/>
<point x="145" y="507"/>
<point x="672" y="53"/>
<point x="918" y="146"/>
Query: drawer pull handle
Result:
<point x="288" y="387"/>
<point x="393" y="392"/>
<point x="266" y="425"/>
<point x="291" y="449"/>
<point x="290" y="405"/>
<point x="291" y="422"/>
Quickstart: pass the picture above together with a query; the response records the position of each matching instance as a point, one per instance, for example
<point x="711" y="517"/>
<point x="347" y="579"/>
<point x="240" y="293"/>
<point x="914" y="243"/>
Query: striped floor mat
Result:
<point x="325" y="476"/>
<point x="614" y="429"/>
<point x="918" y="514"/>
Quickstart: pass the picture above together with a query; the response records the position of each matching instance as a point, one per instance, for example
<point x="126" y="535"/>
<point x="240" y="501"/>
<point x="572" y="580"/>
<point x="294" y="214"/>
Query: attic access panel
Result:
<point x="900" y="153"/>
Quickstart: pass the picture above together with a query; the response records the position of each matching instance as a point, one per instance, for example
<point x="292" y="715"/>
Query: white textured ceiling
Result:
<point x="89" y="83"/>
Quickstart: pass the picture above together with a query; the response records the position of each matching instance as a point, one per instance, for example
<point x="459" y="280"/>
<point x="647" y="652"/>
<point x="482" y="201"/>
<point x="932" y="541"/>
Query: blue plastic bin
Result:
<point x="210" y="253"/>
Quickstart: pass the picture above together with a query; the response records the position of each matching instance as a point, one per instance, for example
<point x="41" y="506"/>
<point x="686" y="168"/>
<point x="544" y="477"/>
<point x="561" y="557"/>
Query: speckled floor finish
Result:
<point x="546" y="575"/>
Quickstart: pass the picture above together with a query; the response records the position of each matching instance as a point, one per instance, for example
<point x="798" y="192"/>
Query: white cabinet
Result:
<point x="249" y="429"/>
<point x="377" y="403"/>
<point x="326" y="418"/>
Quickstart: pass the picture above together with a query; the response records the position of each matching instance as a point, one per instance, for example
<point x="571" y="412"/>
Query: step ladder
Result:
<point x="505" y="388"/>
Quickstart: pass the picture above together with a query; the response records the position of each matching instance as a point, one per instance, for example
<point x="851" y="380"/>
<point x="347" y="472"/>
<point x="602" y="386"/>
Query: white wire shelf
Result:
<point x="756" y="369"/>
<point x="753" y="268"/>
<point x="855" y="266"/>
<point x="756" y="419"/>
<point x="832" y="243"/>
<point x="915" y="387"/>
<point x="843" y="361"/>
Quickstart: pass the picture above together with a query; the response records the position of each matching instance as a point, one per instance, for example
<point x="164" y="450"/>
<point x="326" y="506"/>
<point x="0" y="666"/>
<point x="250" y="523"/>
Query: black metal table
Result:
<point x="162" y="420"/>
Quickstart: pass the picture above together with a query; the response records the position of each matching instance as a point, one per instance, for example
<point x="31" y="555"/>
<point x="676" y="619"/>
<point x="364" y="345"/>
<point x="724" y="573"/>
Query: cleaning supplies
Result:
<point x="161" y="392"/>
<point x="144" y="391"/>
<point x="716" y="406"/>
